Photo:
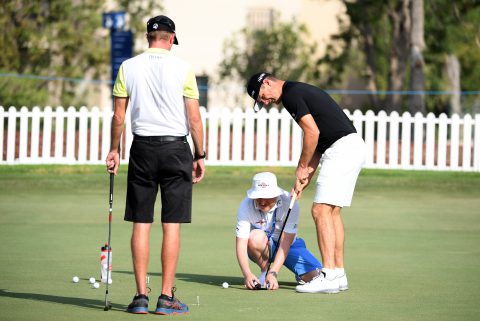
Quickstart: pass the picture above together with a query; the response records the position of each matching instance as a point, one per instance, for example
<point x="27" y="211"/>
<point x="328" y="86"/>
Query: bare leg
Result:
<point x="258" y="248"/>
<point x="170" y="254"/>
<point x="322" y="216"/>
<point x="307" y="277"/>
<point x="140" y="254"/>
<point x="339" y="237"/>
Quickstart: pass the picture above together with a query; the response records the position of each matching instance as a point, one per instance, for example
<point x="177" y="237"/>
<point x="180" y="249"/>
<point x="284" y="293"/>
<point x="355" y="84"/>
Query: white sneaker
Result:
<point x="342" y="282"/>
<point x="319" y="285"/>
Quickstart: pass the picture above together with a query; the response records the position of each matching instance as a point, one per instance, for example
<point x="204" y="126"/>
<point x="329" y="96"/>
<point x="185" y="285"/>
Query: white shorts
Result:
<point x="339" y="168"/>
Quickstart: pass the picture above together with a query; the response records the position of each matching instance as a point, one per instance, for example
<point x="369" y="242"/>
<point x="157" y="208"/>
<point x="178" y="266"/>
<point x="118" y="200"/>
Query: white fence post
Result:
<point x="2" y="116"/>
<point x="261" y="137"/>
<point x="213" y="136"/>
<point x="406" y="142"/>
<point x="82" y="135"/>
<point x="393" y="140"/>
<point x="94" y="138"/>
<point x="35" y="136"/>
<point x="418" y="141"/>
<point x="71" y="130"/>
<point x="358" y="121"/>
<point x="225" y="136"/>
<point x="47" y="134"/>
<point x="442" y="142"/>
<point x="22" y="150"/>
<point x="467" y="142"/>
<point x="273" y="136"/>
<point x="249" y="136"/>
<point x="381" y="138"/>
<point x="430" y="142"/>
<point x="237" y="141"/>
<point x="476" y="150"/>
<point x="11" y="134"/>
<point x="59" y="125"/>
<point x="370" y="138"/>
<point x="454" y="142"/>
<point x="285" y="136"/>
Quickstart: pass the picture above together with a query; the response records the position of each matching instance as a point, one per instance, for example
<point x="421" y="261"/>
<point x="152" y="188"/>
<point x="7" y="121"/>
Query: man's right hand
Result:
<point x="198" y="170"/>
<point x="112" y="161"/>
<point x="251" y="281"/>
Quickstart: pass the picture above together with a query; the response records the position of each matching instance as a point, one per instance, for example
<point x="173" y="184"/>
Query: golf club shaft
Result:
<point x="292" y="202"/>
<point x="109" y="249"/>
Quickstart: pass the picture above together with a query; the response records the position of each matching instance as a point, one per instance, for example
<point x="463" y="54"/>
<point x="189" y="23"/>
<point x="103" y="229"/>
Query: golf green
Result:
<point x="412" y="248"/>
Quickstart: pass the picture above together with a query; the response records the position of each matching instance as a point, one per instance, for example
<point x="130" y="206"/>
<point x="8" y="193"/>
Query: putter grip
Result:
<point x="292" y="200"/>
<point x="112" y="176"/>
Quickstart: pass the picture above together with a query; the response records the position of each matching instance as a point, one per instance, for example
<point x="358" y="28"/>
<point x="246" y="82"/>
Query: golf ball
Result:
<point x="225" y="285"/>
<point x="75" y="279"/>
<point x="96" y="285"/>
<point x="91" y="280"/>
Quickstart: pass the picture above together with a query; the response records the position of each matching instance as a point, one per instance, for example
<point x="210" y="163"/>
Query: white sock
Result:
<point x="262" y="276"/>
<point x="330" y="274"/>
<point x="340" y="272"/>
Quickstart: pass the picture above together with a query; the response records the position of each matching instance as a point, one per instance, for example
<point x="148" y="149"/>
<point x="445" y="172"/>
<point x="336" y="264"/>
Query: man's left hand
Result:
<point x="272" y="281"/>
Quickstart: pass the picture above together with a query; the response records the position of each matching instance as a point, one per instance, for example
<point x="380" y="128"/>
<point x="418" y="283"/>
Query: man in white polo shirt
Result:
<point x="260" y="218"/>
<point x="163" y="95"/>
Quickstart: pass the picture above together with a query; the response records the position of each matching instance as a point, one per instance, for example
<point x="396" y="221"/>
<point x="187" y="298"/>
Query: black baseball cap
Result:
<point x="162" y="23"/>
<point x="253" y="88"/>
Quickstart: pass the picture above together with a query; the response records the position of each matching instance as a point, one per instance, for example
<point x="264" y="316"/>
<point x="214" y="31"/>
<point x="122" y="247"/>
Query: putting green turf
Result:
<point x="412" y="251"/>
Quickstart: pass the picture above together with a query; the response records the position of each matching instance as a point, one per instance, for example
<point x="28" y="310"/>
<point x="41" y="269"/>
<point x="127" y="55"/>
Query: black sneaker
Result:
<point x="139" y="305"/>
<point x="170" y="305"/>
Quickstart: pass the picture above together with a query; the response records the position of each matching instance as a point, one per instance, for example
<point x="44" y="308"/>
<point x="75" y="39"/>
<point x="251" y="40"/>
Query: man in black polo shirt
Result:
<point x="329" y="139"/>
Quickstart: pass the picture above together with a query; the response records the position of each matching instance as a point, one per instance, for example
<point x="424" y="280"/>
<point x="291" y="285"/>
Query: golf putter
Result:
<point x="292" y="202"/>
<point x="108" y="306"/>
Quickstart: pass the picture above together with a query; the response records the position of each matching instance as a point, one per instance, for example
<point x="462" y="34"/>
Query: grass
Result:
<point x="412" y="251"/>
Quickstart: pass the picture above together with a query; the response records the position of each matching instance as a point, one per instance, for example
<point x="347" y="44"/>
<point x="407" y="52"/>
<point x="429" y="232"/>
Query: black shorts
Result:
<point x="154" y="162"/>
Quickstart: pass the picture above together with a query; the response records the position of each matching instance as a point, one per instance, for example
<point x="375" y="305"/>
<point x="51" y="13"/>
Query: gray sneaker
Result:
<point x="170" y="305"/>
<point x="139" y="305"/>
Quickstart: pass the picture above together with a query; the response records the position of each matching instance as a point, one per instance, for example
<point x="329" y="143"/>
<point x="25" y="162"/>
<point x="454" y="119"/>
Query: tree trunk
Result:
<point x="453" y="74"/>
<point x="400" y="18"/>
<point x="371" y="68"/>
<point x="417" y="81"/>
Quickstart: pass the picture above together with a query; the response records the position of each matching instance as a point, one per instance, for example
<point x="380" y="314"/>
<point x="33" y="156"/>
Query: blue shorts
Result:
<point x="299" y="260"/>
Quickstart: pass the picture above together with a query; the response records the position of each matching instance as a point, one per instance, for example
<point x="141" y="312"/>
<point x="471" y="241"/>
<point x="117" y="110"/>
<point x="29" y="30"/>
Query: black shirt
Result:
<point x="301" y="99"/>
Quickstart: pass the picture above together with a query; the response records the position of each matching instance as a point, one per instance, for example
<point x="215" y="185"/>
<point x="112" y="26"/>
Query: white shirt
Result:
<point x="156" y="83"/>
<point x="249" y="217"/>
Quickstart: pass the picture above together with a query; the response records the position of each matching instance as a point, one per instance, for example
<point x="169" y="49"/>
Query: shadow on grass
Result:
<point x="214" y="280"/>
<point x="81" y="302"/>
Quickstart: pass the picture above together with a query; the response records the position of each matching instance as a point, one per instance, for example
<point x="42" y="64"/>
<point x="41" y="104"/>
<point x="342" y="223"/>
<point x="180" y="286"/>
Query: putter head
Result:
<point x="258" y="286"/>
<point x="107" y="307"/>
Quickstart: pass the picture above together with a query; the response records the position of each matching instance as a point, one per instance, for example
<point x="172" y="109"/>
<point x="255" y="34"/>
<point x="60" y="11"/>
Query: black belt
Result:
<point x="161" y="138"/>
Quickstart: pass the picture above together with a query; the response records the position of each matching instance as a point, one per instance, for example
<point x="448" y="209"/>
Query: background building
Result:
<point x="203" y="26"/>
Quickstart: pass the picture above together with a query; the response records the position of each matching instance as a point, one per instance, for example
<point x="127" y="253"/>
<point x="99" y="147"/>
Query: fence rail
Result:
<point x="244" y="138"/>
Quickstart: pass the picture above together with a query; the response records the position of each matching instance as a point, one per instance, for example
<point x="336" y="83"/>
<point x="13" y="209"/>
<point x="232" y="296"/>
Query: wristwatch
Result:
<point x="200" y="156"/>
<point x="273" y="273"/>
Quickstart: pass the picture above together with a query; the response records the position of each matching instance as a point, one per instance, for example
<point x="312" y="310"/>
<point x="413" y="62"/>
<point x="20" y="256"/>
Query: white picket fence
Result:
<point x="244" y="138"/>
